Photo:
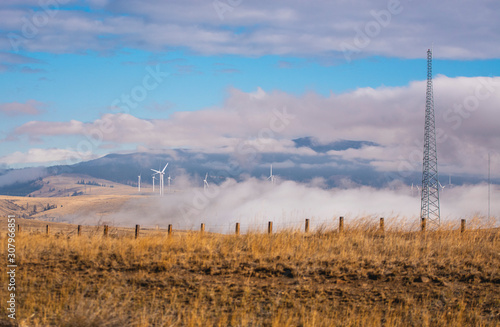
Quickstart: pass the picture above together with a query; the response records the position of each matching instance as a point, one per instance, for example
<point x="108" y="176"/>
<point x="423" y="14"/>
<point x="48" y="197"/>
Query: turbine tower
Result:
<point x="271" y="176"/>
<point x="429" y="208"/>
<point x="139" y="183"/>
<point x="161" y="173"/>
<point x="205" y="182"/>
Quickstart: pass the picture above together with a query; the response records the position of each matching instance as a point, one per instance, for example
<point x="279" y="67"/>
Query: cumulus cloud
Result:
<point x="267" y="122"/>
<point x="324" y="29"/>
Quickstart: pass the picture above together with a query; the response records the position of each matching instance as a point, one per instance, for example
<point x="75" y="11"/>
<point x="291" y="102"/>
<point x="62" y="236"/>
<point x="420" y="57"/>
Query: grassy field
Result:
<point x="360" y="277"/>
<point x="54" y="201"/>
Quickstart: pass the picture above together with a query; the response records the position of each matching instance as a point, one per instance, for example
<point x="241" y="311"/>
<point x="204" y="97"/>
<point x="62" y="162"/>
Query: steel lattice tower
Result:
<point x="430" y="184"/>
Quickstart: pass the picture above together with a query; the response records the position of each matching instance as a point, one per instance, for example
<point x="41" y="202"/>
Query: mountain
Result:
<point x="322" y="166"/>
<point x="340" y="145"/>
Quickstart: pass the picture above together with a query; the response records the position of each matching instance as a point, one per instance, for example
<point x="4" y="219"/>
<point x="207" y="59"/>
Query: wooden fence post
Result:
<point x="382" y="225"/>
<point x="270" y="227"/>
<point x="341" y="224"/>
<point x="18" y="228"/>
<point x="237" y="229"/>
<point x="462" y="226"/>
<point x="79" y="230"/>
<point x="106" y="230"/>
<point x="307" y="225"/>
<point x="202" y="228"/>
<point x="137" y="229"/>
<point x="422" y="225"/>
<point x="169" y="230"/>
<point x="47" y="229"/>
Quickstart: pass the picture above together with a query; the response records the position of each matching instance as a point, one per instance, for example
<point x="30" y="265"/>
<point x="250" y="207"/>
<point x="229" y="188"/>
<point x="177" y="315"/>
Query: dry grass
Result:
<point x="357" y="278"/>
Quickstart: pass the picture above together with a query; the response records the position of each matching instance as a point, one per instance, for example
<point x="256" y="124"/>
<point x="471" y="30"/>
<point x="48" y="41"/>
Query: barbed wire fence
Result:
<point x="308" y="225"/>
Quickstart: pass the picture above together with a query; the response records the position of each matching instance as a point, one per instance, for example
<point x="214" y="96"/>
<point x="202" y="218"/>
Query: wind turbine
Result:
<point x="418" y="188"/>
<point x="271" y="176"/>
<point x="440" y="185"/>
<point x="154" y="182"/>
<point x="168" y="179"/>
<point x="162" y="173"/>
<point x="205" y="182"/>
<point x="139" y="183"/>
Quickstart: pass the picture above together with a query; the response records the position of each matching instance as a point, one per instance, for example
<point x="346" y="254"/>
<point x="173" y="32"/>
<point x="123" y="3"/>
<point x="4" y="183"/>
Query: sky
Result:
<point x="82" y="79"/>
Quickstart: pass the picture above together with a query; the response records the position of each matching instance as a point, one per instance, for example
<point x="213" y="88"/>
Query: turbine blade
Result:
<point x="164" y="168"/>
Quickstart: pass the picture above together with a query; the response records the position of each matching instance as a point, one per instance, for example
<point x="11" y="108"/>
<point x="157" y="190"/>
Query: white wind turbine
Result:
<point x="271" y="176"/>
<point x="205" y="182"/>
<point x="418" y="188"/>
<point x="168" y="181"/>
<point x="154" y="182"/>
<point x="139" y="183"/>
<point x="162" y="173"/>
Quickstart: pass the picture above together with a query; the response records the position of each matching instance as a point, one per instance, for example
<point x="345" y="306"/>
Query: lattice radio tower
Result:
<point x="430" y="184"/>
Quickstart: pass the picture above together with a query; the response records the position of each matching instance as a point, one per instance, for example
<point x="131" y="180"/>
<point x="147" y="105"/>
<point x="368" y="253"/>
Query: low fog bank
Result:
<point x="254" y="202"/>
<point x="13" y="176"/>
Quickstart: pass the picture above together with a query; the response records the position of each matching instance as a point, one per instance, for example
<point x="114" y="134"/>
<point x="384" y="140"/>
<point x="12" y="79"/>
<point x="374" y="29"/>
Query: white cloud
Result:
<point x="37" y="156"/>
<point x="30" y="107"/>
<point x="391" y="117"/>
<point x="319" y="29"/>
<point x="22" y="175"/>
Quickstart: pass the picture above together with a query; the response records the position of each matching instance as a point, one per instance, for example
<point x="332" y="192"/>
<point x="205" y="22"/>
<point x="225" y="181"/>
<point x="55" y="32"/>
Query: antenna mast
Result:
<point x="489" y="184"/>
<point x="429" y="208"/>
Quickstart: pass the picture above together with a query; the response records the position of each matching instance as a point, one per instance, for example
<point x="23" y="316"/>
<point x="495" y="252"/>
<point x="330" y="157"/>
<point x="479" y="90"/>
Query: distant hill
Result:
<point x="324" y="168"/>
<point x="21" y="188"/>
<point x="341" y="145"/>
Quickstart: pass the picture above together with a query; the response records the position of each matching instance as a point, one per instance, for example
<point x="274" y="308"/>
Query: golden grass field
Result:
<point x="360" y="277"/>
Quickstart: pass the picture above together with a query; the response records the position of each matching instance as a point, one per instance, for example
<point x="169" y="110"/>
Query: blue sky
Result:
<point x="63" y="66"/>
<point x="73" y="84"/>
